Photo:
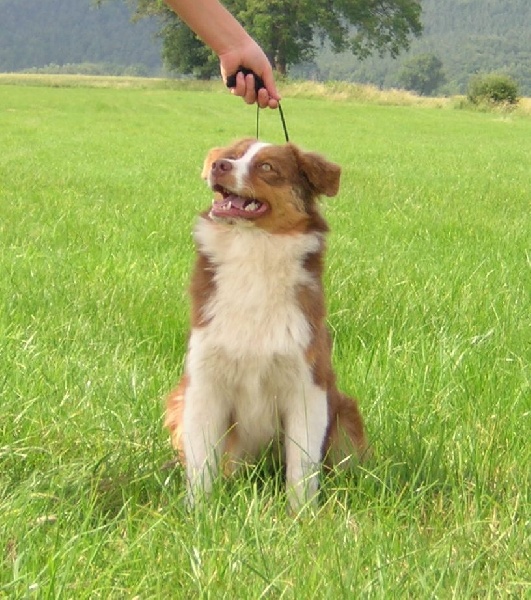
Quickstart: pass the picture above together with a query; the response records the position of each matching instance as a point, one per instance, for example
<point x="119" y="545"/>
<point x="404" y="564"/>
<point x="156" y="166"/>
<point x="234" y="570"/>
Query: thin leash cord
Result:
<point x="283" y="122"/>
<point x="282" y="119"/>
<point x="258" y="85"/>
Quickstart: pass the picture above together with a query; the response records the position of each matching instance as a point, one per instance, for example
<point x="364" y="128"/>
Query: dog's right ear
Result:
<point x="212" y="156"/>
<point x="322" y="174"/>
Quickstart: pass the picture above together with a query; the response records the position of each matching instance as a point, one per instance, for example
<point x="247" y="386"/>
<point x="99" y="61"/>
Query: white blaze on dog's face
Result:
<point x="271" y="187"/>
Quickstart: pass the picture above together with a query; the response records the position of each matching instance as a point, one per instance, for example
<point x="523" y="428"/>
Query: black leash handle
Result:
<point x="258" y="85"/>
<point x="258" y="81"/>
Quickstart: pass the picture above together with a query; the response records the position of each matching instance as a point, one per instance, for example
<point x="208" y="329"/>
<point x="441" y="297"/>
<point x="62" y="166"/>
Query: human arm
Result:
<point x="217" y="28"/>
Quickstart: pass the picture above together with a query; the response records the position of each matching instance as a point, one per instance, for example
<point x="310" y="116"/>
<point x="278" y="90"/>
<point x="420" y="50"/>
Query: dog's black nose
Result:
<point x="221" y="166"/>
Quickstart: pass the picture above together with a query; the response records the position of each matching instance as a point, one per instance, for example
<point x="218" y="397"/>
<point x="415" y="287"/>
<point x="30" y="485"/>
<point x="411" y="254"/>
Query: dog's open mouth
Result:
<point x="229" y="205"/>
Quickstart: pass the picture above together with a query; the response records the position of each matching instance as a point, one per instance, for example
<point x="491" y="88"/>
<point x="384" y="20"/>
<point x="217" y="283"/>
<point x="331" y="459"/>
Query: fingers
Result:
<point x="269" y="83"/>
<point x="250" y="93"/>
<point x="265" y="100"/>
<point x="246" y="89"/>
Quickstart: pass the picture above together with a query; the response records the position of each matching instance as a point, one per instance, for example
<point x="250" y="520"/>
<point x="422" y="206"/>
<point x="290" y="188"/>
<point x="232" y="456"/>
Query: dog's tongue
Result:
<point x="236" y="206"/>
<point x="236" y="202"/>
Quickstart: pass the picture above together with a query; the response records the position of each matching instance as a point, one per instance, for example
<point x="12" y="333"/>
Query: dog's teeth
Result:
<point x="251" y="206"/>
<point x="229" y="205"/>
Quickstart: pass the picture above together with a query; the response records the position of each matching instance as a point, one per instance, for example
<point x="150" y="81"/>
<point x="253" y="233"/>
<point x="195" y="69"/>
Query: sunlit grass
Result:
<point x="334" y="91"/>
<point x="428" y="283"/>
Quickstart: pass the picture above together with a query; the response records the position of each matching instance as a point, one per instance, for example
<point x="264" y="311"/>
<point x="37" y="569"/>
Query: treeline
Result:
<point x="38" y="33"/>
<point x="94" y="69"/>
<point x="467" y="36"/>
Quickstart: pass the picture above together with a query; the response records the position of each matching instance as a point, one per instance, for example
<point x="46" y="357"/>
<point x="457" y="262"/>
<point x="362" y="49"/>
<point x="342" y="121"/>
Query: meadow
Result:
<point x="428" y="280"/>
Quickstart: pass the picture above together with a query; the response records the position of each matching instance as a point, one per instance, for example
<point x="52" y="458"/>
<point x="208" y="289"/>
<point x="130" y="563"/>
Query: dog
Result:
<point x="258" y="367"/>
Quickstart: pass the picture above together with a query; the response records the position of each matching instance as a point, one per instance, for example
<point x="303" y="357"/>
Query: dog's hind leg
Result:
<point x="346" y="443"/>
<point x="174" y="417"/>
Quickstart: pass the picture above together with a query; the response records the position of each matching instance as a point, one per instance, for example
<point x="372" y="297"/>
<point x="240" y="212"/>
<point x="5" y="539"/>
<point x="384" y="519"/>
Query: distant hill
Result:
<point x="468" y="36"/>
<point x="37" y="33"/>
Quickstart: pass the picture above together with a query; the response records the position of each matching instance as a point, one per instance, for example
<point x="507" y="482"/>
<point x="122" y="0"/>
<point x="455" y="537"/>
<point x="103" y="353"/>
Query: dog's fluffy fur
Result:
<point x="258" y="366"/>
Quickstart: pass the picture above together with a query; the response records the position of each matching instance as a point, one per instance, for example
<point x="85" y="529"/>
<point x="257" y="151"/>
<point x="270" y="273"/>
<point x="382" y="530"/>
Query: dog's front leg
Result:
<point x="205" y="424"/>
<point x="304" y="427"/>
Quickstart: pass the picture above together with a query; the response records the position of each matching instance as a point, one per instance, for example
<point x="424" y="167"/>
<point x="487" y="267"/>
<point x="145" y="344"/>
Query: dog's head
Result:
<point x="268" y="186"/>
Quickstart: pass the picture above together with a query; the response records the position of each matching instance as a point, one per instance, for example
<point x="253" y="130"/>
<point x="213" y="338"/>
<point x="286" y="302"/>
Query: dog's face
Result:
<point x="271" y="187"/>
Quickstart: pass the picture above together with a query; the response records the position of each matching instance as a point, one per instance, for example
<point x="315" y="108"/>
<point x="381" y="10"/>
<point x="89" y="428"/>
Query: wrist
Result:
<point x="233" y="44"/>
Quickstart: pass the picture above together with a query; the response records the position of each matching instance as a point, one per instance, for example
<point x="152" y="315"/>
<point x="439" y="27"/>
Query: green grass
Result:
<point x="428" y="281"/>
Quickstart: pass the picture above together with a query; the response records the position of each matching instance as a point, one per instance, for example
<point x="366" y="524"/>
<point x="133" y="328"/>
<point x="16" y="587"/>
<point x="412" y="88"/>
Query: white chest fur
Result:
<point x="253" y="311"/>
<point x="247" y="365"/>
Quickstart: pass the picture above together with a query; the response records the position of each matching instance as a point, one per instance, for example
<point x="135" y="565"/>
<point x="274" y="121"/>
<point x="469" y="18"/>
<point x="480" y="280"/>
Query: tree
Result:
<point x="291" y="31"/>
<point x="422" y="74"/>
<point x="493" y="88"/>
<point x="184" y="52"/>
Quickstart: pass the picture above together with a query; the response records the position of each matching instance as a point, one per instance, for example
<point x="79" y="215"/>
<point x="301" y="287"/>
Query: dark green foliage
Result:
<point x="422" y="74"/>
<point x="493" y="88"/>
<point x="184" y="52"/>
<point x="472" y="36"/>
<point x="291" y="32"/>
<point x="37" y="33"/>
<point x="91" y="69"/>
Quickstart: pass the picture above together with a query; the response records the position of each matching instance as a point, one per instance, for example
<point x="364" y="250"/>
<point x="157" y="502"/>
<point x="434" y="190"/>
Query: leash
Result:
<point x="258" y="84"/>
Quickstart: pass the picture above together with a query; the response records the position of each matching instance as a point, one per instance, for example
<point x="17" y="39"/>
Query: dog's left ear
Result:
<point x="210" y="158"/>
<point x="322" y="174"/>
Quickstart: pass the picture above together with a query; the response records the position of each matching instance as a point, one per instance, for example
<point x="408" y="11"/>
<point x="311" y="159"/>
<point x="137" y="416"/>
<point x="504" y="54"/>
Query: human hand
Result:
<point x="253" y="58"/>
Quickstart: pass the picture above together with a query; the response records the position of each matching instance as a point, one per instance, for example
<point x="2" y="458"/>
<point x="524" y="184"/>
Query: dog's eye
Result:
<point x="266" y="167"/>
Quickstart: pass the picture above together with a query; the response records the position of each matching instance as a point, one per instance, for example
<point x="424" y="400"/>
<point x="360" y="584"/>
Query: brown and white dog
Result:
<point x="258" y="367"/>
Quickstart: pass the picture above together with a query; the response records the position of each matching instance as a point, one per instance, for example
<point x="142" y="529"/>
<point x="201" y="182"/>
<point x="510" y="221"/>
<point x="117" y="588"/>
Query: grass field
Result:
<point x="429" y="302"/>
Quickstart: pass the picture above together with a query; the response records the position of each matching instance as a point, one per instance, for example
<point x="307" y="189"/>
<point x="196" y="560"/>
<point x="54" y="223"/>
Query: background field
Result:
<point x="428" y="280"/>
